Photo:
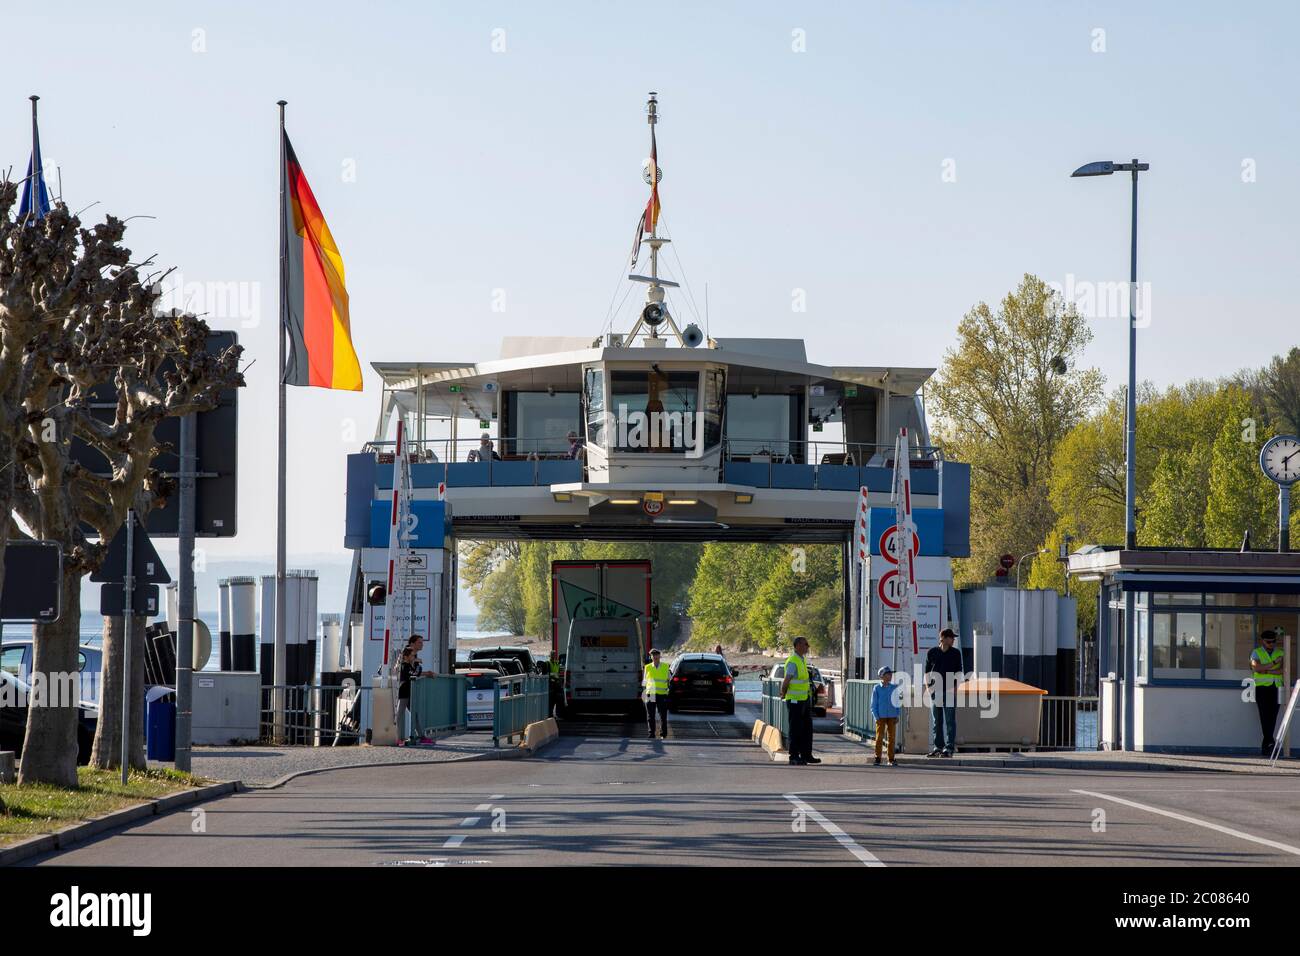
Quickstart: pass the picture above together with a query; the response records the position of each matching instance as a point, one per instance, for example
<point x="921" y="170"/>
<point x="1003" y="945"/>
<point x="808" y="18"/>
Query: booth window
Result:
<point x="1140" y="636"/>
<point x="1183" y="599"/>
<point x="1176" y="645"/>
<point x="1229" y="639"/>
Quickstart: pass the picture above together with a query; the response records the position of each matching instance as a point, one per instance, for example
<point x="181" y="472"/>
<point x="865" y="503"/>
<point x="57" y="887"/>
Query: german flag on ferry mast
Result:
<point x="315" y="300"/>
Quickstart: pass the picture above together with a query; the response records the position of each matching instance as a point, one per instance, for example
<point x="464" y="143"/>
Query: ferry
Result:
<point x="659" y="430"/>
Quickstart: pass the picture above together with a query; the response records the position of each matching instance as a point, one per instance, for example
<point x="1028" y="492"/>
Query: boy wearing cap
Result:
<point x="885" y="711"/>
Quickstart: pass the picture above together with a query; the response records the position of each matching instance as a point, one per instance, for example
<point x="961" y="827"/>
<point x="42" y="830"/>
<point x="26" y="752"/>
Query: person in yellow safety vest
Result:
<point x="796" y="689"/>
<point x="656" y="694"/>
<point x="1266" y="664"/>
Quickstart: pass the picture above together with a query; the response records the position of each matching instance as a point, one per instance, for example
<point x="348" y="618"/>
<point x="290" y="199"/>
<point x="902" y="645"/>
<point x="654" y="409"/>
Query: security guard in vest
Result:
<point x="656" y="694"/>
<point x="556" y="683"/>
<point x="1266" y="664"/>
<point x="795" y="691"/>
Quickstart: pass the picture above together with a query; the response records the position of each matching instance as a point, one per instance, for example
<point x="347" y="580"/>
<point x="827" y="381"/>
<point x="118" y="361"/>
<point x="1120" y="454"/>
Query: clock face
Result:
<point x="1280" y="459"/>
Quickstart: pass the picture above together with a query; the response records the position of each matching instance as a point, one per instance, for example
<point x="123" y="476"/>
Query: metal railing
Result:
<point x="1069" y="723"/>
<point x="774" y="712"/>
<point x="438" y="705"/>
<point x="518" y="701"/>
<point x="313" y="715"/>
<point x="819" y="451"/>
<point x="472" y="449"/>
<point x="857" y="707"/>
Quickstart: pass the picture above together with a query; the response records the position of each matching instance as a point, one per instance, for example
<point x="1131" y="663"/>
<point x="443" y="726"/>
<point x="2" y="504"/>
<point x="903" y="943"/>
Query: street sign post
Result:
<point x="131" y="562"/>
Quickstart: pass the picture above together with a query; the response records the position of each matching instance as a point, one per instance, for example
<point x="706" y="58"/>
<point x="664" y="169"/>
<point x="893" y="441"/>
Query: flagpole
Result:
<point x="280" y="666"/>
<point x="35" y="135"/>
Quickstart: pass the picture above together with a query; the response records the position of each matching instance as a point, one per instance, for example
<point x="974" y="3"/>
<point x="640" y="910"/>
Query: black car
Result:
<point x="14" y="695"/>
<point x="521" y="654"/>
<point x="701" y="680"/>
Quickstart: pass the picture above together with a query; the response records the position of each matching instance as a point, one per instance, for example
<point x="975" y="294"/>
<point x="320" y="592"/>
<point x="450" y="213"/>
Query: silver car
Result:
<point x="480" y="696"/>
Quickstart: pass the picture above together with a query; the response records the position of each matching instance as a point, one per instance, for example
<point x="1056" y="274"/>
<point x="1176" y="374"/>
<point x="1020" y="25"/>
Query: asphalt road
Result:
<point x="704" y="798"/>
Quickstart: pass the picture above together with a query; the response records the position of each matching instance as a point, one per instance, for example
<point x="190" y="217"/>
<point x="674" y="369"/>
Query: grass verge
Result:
<point x="35" y="808"/>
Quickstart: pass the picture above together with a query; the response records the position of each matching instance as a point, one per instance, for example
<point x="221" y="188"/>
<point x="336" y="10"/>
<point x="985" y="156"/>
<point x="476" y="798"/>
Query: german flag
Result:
<point x="315" y="300"/>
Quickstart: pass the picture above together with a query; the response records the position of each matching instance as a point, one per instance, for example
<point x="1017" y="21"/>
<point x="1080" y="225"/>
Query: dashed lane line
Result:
<point x="863" y="856"/>
<point x="1250" y="837"/>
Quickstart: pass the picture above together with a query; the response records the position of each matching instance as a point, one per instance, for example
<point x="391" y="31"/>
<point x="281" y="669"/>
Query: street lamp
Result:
<point x="1130" y="411"/>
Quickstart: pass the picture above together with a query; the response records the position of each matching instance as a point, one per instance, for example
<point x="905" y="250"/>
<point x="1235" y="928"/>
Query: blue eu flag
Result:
<point x="36" y="199"/>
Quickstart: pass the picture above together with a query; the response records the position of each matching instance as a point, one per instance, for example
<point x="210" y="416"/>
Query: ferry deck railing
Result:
<point x="759" y="462"/>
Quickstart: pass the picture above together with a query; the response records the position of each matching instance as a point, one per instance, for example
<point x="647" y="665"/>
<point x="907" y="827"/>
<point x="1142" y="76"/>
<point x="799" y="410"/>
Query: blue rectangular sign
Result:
<point x="929" y="528"/>
<point x="430" y="519"/>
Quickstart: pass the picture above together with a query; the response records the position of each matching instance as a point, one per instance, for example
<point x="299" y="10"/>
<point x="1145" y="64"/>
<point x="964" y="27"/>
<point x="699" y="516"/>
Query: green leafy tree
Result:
<point x="1004" y="399"/>
<point x="500" y="600"/>
<point x="1176" y="501"/>
<point x="1276" y="390"/>
<point x="726" y="579"/>
<point x="794" y="575"/>
<point x="1240" y="497"/>
<point x="818" y="618"/>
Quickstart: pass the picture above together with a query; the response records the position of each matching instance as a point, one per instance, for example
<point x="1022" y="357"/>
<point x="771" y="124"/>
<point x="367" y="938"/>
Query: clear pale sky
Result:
<point x="822" y="170"/>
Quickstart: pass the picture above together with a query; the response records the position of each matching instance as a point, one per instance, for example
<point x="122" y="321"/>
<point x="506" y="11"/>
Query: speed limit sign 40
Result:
<point x="889" y="544"/>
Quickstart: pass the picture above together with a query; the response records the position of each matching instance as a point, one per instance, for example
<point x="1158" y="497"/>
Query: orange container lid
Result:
<point x="998" y="685"/>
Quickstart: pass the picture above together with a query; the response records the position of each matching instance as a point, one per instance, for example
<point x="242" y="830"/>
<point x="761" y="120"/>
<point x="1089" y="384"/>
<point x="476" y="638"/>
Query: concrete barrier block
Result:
<point x="772" y="740"/>
<point x="540" y="733"/>
<point x="756" y="734"/>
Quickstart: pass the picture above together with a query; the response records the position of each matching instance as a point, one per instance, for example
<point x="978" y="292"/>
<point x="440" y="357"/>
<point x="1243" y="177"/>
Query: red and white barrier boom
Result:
<point x="902" y="497"/>
<point x="401" y="525"/>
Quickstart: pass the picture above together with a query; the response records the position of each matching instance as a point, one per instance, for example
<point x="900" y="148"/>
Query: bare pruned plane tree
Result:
<point x="75" y="314"/>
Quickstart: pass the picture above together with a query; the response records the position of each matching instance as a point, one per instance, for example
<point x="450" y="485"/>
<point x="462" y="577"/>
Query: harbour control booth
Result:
<point x="1175" y="632"/>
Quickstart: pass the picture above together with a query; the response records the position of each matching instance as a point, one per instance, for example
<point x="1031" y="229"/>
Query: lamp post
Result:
<point x="1130" y="412"/>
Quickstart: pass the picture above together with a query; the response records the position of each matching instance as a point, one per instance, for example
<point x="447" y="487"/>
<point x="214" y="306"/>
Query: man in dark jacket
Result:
<point x="944" y="663"/>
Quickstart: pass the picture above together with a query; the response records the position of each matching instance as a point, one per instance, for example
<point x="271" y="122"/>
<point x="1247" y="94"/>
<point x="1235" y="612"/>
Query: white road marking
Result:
<point x="1284" y="847"/>
<point x="483" y="808"/>
<point x="496" y="796"/>
<point x="454" y="841"/>
<point x="865" y="857"/>
<point x="469" y="821"/>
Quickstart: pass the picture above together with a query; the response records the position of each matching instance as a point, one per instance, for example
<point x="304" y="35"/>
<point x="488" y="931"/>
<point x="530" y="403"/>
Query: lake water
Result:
<point x="92" y="633"/>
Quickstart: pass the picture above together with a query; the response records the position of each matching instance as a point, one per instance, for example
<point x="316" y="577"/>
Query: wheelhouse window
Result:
<point x="763" y="426"/>
<point x="653" y="410"/>
<point x="540" y="422"/>
<point x="715" y="388"/>
<point x="593" y="396"/>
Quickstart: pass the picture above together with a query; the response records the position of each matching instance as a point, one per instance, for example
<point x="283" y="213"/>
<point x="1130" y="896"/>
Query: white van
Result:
<point x="603" y="662"/>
